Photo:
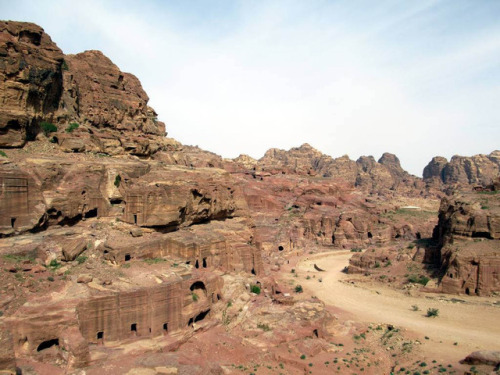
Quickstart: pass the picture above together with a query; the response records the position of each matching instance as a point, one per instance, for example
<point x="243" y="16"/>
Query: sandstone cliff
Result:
<point x="81" y="102"/>
<point x="468" y="233"/>
<point x="477" y="170"/>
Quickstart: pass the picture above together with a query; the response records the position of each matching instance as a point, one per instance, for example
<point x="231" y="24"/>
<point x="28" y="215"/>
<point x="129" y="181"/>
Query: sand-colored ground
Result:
<point x="472" y="325"/>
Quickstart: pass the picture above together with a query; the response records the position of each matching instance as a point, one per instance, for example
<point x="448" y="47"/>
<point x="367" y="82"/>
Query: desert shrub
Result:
<point x="431" y="312"/>
<point x="118" y="180"/>
<point x="255" y="289"/>
<point x="72" y="126"/>
<point x="48" y="128"/>
<point x="377" y="264"/>
<point x="418" y="279"/>
<point x="298" y="289"/>
<point x="64" y="65"/>
<point x="303" y="356"/>
<point x="414" y="307"/>
<point x="81" y="259"/>
<point x="50" y="278"/>
<point x="3" y="154"/>
<point x="356" y="250"/>
<point x="264" y="327"/>
<point x="54" y="264"/>
<point x="194" y="296"/>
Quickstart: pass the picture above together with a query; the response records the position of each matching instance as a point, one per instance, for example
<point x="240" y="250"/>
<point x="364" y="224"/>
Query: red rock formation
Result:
<point x="468" y="232"/>
<point x="475" y="170"/>
<point x="30" y="81"/>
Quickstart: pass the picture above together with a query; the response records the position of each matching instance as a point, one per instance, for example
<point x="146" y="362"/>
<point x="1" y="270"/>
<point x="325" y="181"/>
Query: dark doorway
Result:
<point x="467" y="291"/>
<point x="133" y="327"/>
<point x="165" y="328"/>
<point x="197" y="264"/>
<point x="135" y="219"/>
<point x="201" y="316"/>
<point x="204" y="262"/>
<point x="12" y="221"/>
<point x="370" y="235"/>
<point x="100" y="335"/>
<point x="253" y="271"/>
<point x="47" y="344"/>
<point x="127" y="257"/>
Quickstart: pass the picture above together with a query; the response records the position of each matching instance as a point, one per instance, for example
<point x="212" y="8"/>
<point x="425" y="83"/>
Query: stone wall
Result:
<point x="147" y="312"/>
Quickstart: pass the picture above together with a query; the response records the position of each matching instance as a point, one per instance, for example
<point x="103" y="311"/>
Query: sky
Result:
<point x="357" y="77"/>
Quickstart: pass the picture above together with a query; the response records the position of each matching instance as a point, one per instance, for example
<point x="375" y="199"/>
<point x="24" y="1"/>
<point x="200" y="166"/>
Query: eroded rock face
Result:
<point x="110" y="106"/>
<point x="468" y="232"/>
<point x="30" y="81"/>
<point x="481" y="170"/>
<point x="365" y="173"/>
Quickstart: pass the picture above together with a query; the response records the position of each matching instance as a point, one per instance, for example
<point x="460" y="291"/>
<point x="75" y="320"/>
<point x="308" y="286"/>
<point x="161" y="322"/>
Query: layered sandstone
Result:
<point x="30" y="81"/>
<point x="478" y="170"/>
<point x="468" y="233"/>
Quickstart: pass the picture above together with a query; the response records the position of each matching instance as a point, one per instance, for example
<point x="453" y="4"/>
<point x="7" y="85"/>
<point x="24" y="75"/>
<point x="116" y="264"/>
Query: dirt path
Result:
<point x="472" y="325"/>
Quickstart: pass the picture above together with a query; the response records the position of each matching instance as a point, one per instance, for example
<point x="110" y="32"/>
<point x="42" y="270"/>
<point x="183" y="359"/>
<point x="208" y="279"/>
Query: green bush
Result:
<point x="48" y="128"/>
<point x="3" y="154"/>
<point x="431" y="312"/>
<point x="418" y="279"/>
<point x="264" y="327"/>
<point x="255" y="289"/>
<point x="118" y="180"/>
<point x="298" y="289"/>
<point x="64" y="65"/>
<point x="50" y="278"/>
<point x="81" y="259"/>
<point x="54" y="265"/>
<point x="195" y="296"/>
<point x="72" y="127"/>
<point x="303" y="356"/>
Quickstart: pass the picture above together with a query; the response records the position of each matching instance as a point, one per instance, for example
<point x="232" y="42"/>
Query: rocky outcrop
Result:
<point x="365" y="173"/>
<point x="30" y="81"/>
<point x="477" y="170"/>
<point x="110" y="108"/>
<point x="468" y="233"/>
<point x="82" y="102"/>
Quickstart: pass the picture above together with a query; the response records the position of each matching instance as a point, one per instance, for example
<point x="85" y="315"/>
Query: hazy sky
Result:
<point x="415" y="78"/>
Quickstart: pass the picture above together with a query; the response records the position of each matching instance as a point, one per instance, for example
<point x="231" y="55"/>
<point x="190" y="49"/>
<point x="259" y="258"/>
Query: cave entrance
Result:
<point x="133" y="329"/>
<point x="201" y="316"/>
<point x="204" y="262"/>
<point x="100" y="335"/>
<point x="47" y="344"/>
<point x="198" y="286"/>
<point x="370" y="235"/>
<point x="197" y="264"/>
<point x="253" y="271"/>
<point x="280" y="248"/>
<point x="467" y="291"/>
<point x="165" y="328"/>
<point x="12" y="221"/>
<point x="315" y="332"/>
<point x="91" y="213"/>
<point x="190" y="323"/>
<point x="127" y="257"/>
<point x="135" y="219"/>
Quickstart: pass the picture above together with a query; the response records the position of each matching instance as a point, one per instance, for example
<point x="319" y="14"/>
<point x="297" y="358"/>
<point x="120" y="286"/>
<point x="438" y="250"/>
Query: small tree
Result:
<point x="298" y="289"/>
<point x="431" y="312"/>
<point x="72" y="127"/>
<point x="255" y="289"/>
<point x="48" y="128"/>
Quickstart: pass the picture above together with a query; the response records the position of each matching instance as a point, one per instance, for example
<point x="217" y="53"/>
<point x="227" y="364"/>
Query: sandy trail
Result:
<point x="473" y="325"/>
